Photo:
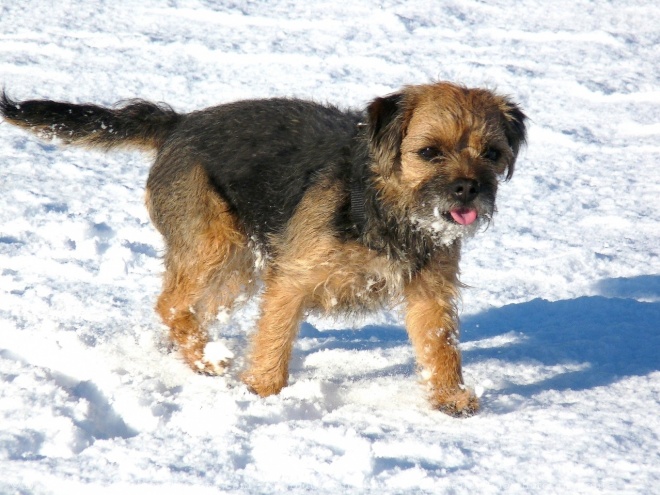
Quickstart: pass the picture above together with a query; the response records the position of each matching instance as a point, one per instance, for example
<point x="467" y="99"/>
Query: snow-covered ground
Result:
<point x="561" y="325"/>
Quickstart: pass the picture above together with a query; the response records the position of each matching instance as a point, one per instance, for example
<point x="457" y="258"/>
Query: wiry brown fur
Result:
<point x="333" y="211"/>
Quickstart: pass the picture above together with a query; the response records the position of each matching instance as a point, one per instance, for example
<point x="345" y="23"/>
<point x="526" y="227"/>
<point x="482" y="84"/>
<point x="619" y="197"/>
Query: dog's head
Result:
<point x="438" y="152"/>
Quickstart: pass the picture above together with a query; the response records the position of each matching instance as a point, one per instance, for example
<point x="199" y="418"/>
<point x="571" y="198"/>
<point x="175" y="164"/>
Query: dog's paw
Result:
<point x="213" y="360"/>
<point x="461" y="403"/>
<point x="262" y="385"/>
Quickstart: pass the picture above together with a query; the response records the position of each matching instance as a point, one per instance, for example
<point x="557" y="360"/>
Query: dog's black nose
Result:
<point x="464" y="190"/>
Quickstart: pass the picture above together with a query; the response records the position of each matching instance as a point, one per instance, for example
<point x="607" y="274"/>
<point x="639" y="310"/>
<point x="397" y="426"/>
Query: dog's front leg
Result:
<point x="432" y="324"/>
<point x="281" y="310"/>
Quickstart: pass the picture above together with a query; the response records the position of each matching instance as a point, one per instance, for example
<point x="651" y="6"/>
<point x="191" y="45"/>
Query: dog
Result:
<point x="320" y="208"/>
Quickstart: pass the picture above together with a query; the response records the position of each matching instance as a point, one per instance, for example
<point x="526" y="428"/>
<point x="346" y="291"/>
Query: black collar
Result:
<point x="358" y="203"/>
<point x="358" y="183"/>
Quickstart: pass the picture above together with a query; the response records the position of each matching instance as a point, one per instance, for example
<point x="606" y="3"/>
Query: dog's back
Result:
<point x="262" y="155"/>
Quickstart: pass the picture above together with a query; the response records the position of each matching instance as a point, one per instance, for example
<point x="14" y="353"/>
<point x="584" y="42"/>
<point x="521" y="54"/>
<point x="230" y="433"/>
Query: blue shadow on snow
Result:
<point x="613" y="334"/>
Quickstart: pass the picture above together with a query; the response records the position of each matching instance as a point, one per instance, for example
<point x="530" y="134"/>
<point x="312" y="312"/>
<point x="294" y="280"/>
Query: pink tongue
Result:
<point x="464" y="216"/>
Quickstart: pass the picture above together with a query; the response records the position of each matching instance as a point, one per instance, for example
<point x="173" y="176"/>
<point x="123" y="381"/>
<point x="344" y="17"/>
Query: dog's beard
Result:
<point x="446" y="223"/>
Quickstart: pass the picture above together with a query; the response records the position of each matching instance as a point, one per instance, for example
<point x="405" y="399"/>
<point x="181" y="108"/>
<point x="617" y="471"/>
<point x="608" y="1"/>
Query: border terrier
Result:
<point x="321" y="208"/>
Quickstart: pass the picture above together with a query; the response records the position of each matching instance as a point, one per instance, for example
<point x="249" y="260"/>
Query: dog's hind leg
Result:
<point x="192" y="294"/>
<point x="176" y="307"/>
<point x="207" y="262"/>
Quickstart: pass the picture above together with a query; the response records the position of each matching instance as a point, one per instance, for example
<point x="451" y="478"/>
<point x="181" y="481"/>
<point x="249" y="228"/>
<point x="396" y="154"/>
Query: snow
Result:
<point x="560" y="332"/>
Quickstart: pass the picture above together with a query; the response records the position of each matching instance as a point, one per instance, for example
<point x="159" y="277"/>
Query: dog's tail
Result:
<point x="134" y="124"/>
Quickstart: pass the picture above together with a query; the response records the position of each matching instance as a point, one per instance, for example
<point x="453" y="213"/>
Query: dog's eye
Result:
<point x="492" y="154"/>
<point x="430" y="153"/>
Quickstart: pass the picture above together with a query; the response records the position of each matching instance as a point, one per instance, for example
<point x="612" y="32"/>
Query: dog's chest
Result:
<point x="357" y="281"/>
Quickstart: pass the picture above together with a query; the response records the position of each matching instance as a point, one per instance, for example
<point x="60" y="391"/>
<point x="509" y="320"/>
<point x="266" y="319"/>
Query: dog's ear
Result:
<point x="386" y="130"/>
<point x="514" y="129"/>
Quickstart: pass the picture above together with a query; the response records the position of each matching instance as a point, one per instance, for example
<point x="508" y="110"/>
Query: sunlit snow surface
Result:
<point x="561" y="332"/>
